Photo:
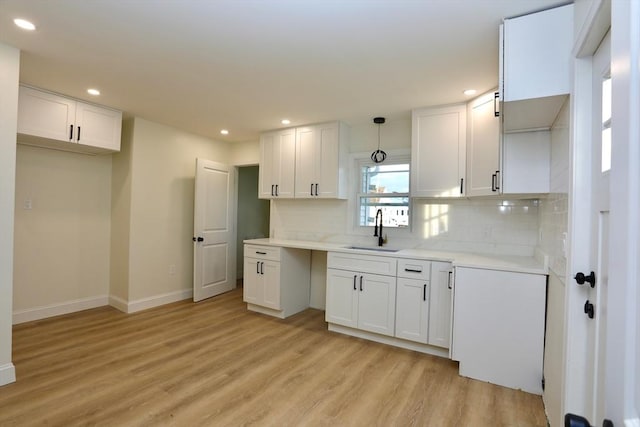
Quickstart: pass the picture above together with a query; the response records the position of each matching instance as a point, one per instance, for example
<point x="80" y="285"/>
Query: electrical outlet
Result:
<point x="28" y="204"/>
<point x="172" y="269"/>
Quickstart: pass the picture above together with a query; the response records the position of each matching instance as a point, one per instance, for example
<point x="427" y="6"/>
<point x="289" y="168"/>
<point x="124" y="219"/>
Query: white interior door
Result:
<point x="596" y="294"/>
<point x="214" y="263"/>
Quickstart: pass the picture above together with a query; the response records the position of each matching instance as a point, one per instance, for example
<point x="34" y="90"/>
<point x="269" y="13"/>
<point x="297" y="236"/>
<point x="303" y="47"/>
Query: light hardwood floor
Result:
<point x="216" y="364"/>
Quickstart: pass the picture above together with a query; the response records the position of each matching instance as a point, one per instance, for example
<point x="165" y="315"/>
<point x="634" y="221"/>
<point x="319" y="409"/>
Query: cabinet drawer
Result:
<point x="362" y="263"/>
<point x="414" y="269"/>
<point x="262" y="252"/>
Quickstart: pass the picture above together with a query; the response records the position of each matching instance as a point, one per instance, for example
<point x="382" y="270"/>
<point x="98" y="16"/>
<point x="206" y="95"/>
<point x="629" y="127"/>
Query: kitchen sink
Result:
<point x="373" y="248"/>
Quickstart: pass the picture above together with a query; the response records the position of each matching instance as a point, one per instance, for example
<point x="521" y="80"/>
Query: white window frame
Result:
<point x="356" y="161"/>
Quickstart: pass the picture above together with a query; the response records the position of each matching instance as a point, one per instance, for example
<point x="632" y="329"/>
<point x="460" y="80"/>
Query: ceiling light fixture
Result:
<point x="470" y="92"/>
<point x="285" y="121"/>
<point x="378" y="156"/>
<point x="94" y="92"/>
<point x="24" y="24"/>
<point x="224" y="132"/>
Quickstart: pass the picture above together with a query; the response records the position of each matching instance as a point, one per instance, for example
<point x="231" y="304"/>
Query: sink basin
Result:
<point x="373" y="248"/>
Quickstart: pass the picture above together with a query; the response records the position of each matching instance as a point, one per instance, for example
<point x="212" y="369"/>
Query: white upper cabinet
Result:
<point x="535" y="56"/>
<point x="98" y="127"/>
<point x="511" y="163"/>
<point x="483" y="146"/>
<point x="320" y="161"/>
<point x="277" y="164"/>
<point x="305" y="162"/>
<point x="50" y="120"/>
<point x="438" y="141"/>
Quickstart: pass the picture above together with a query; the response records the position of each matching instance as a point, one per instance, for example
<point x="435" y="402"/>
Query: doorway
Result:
<point x="252" y="213"/>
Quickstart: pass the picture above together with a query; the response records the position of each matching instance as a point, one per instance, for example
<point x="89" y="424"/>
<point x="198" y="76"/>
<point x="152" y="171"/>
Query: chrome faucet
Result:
<point x="378" y="233"/>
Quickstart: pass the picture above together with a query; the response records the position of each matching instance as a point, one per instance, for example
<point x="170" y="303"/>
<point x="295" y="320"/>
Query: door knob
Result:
<point x="588" y="309"/>
<point x="581" y="278"/>
<point x="198" y="239"/>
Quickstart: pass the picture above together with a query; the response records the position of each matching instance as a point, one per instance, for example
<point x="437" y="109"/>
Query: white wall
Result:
<point x="9" y="71"/>
<point x="394" y="134"/>
<point x="61" y="251"/>
<point x="121" y="218"/>
<point x="244" y="153"/>
<point x="163" y="161"/>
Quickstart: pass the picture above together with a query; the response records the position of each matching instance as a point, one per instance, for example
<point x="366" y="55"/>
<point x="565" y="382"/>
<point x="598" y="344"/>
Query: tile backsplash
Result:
<point x="489" y="226"/>
<point x="553" y="231"/>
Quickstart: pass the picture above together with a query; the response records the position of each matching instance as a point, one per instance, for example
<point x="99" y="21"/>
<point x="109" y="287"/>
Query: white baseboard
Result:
<point x="37" y="313"/>
<point x="150" y="302"/>
<point x="7" y="374"/>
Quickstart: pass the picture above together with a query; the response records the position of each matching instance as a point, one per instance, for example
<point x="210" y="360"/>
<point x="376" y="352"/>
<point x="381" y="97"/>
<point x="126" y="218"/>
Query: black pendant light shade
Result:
<point x="378" y="155"/>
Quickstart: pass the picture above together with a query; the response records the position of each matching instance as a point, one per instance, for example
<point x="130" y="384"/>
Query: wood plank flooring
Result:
<point x="216" y="364"/>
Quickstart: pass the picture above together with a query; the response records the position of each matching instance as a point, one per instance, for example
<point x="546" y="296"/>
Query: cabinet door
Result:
<point x="267" y="170"/>
<point x="252" y="281"/>
<point x="286" y="163"/>
<point x="438" y="141"/>
<point x="307" y="160"/>
<point x="412" y="310"/>
<point x="328" y="153"/>
<point x="440" y="305"/>
<point x="98" y="127"/>
<point x="270" y="271"/>
<point x="45" y="115"/>
<point x="537" y="54"/>
<point x="483" y="147"/>
<point x="342" y="297"/>
<point x="377" y="303"/>
<point x="277" y="164"/>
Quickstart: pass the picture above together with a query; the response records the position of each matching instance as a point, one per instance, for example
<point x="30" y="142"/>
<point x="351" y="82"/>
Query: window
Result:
<point x="384" y="186"/>
<point x="606" y="124"/>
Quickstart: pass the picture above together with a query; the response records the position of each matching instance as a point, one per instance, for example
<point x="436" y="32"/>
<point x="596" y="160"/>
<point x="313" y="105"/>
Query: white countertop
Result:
<point x="516" y="264"/>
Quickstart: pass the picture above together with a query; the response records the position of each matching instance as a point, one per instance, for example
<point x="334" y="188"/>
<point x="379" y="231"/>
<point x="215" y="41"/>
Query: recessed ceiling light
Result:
<point x="224" y="132"/>
<point x="470" y="92"/>
<point x="94" y="92"/>
<point x="24" y="24"/>
<point x="285" y="121"/>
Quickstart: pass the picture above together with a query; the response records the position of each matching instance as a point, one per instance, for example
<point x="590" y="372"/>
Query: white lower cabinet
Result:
<point x="440" y="303"/>
<point x="412" y="310"/>
<point x="358" y="298"/>
<point x="423" y="304"/>
<point x="361" y="300"/>
<point x="406" y="300"/>
<point x="276" y="280"/>
<point x="262" y="282"/>
<point x="498" y="327"/>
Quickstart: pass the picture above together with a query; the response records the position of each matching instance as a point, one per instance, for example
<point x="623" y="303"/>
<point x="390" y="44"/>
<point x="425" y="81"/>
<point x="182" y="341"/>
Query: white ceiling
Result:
<point x="204" y="65"/>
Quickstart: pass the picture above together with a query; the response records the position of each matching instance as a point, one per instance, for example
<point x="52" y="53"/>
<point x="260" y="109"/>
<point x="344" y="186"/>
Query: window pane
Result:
<point x="395" y="211"/>
<point x="606" y="124"/>
<point x="385" y="179"/>
<point x="606" y="150"/>
<point x="606" y="99"/>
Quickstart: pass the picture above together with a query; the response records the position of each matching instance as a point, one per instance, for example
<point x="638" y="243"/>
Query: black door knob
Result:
<point x="198" y="239"/>
<point x="581" y="278"/>
<point x="588" y="309"/>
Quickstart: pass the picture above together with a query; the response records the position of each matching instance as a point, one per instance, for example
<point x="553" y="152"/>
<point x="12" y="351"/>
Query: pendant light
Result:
<point x="378" y="156"/>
